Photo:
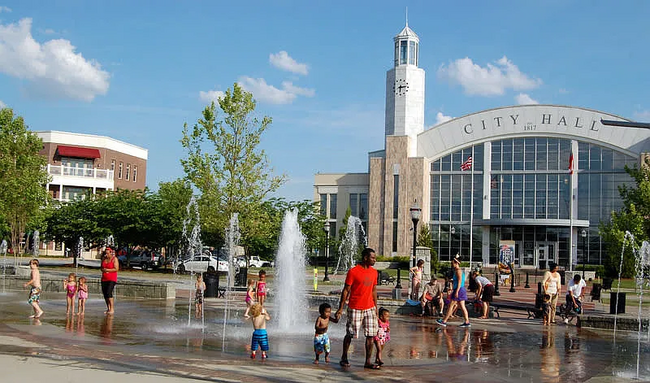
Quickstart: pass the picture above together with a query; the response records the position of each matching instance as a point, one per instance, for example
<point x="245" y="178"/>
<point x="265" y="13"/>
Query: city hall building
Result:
<point x="540" y="178"/>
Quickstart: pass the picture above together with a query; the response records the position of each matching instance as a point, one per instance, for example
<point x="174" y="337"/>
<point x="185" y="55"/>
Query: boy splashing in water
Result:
<point x="321" y="339"/>
<point x="259" y="316"/>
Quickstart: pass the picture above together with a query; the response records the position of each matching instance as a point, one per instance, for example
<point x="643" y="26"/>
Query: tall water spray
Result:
<point x="3" y="251"/>
<point x="233" y="236"/>
<point x="349" y="248"/>
<point x="36" y="243"/>
<point x="290" y="299"/>
<point x="642" y="279"/>
<point x="192" y="245"/>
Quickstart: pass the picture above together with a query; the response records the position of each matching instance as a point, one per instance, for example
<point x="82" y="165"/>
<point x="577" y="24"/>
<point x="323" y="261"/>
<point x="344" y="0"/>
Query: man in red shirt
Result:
<point x="361" y="291"/>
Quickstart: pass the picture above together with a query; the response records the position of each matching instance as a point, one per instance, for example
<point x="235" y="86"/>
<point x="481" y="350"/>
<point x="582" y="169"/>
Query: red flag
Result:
<point x="571" y="163"/>
<point x="467" y="164"/>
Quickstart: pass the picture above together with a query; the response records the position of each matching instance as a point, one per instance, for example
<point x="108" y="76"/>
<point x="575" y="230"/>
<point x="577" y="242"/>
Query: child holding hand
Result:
<point x="321" y="339"/>
<point x="383" y="335"/>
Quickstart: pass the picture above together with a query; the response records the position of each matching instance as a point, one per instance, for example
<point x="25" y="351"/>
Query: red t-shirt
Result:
<point x="361" y="281"/>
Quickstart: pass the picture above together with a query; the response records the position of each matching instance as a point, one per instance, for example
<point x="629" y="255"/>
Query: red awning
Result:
<point x="75" y="151"/>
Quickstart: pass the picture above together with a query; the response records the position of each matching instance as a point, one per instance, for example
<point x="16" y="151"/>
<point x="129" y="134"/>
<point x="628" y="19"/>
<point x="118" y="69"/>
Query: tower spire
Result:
<point x="407" y="16"/>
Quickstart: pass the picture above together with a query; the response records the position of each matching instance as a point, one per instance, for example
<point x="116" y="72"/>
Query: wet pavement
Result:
<point x="154" y="337"/>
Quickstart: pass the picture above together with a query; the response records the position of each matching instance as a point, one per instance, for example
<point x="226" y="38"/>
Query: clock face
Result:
<point x="401" y="87"/>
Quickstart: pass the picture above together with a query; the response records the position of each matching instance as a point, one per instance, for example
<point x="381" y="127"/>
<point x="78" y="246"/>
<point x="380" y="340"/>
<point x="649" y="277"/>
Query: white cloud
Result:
<point x="524" y="99"/>
<point x="49" y="31"/>
<point x="491" y="80"/>
<point x="283" y="61"/>
<point x="266" y="93"/>
<point x="289" y="87"/>
<point x="563" y="91"/>
<point x="2" y="104"/>
<point x="643" y="116"/>
<point x="441" y="118"/>
<point x="52" y="68"/>
<point x="4" y="9"/>
<point x="211" y="95"/>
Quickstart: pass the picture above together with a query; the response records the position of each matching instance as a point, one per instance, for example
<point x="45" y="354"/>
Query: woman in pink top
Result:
<point x="110" y="267"/>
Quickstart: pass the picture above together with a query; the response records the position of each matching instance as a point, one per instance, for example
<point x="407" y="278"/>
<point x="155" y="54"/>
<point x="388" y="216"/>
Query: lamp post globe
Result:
<point x="415" y="217"/>
<point x="583" y="234"/>
<point x="326" y="228"/>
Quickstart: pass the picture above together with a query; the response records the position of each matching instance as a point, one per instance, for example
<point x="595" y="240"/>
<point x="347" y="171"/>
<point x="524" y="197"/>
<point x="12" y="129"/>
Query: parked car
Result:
<point x="255" y="261"/>
<point x="145" y="259"/>
<point x="202" y="263"/>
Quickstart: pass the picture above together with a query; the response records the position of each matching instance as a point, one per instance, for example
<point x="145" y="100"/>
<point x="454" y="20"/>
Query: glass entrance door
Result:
<point x="545" y="253"/>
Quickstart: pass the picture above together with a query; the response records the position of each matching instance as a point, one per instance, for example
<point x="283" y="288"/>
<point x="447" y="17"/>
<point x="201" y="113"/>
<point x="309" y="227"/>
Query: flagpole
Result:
<point x="471" y="220"/>
<point x="571" y="209"/>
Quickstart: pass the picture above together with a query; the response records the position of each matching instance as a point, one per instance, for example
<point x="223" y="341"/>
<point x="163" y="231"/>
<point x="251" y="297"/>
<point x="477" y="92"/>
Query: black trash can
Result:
<point x="211" y="284"/>
<point x="562" y="277"/>
<point x="241" y="277"/>
<point x="617" y="299"/>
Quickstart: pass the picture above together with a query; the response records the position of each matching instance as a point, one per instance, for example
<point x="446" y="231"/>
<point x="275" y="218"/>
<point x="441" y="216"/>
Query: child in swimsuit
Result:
<point x="383" y="334"/>
<point x="83" y="295"/>
<point x="198" y="295"/>
<point x="321" y="339"/>
<point x="250" y="297"/>
<point x="260" y="337"/>
<point x="261" y="288"/>
<point x="35" y="289"/>
<point x="70" y="286"/>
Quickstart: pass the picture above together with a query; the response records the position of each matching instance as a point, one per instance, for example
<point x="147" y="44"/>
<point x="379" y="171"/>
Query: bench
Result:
<point x="531" y="310"/>
<point x="385" y="278"/>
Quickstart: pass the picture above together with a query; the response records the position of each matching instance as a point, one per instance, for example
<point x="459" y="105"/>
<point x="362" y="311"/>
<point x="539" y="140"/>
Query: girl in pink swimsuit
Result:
<point x="83" y="295"/>
<point x="250" y="296"/>
<point x="70" y="286"/>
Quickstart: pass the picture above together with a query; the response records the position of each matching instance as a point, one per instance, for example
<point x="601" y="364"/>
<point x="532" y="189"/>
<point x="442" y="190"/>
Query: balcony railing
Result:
<point x="103" y="174"/>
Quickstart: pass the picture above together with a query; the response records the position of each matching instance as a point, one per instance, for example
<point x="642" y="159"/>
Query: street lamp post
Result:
<point x="415" y="217"/>
<point x="327" y="250"/>
<point x="452" y="231"/>
<point x="583" y="234"/>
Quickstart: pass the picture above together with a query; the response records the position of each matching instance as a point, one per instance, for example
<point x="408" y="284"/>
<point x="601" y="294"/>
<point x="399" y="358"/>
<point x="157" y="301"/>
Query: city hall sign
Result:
<point x="543" y="119"/>
<point x="531" y="121"/>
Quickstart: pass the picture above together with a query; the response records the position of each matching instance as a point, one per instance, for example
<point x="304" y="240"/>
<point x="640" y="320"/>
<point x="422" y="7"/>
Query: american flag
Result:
<point x="467" y="164"/>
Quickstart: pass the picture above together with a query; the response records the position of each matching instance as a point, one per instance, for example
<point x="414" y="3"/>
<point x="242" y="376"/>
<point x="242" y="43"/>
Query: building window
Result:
<point x="128" y="171"/>
<point x="354" y="204"/>
<point x="113" y="165"/>
<point x="403" y="52"/>
<point x="363" y="206"/>
<point x="333" y="206"/>
<point x="135" y="173"/>
<point x="412" y="52"/>
<point x="395" y="237"/>
<point x="323" y="204"/>
<point x="119" y="171"/>
<point x="395" y="196"/>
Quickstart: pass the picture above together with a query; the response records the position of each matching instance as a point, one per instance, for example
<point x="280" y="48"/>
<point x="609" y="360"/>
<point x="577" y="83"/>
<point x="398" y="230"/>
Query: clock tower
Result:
<point x="405" y="90"/>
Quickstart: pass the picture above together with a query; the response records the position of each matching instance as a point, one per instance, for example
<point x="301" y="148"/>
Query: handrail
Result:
<point x="60" y="170"/>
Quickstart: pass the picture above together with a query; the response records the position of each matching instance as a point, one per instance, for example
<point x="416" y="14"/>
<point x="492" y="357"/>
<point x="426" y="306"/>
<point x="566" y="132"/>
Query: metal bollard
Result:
<point x="496" y="283"/>
<point x="399" y="281"/>
<point x="527" y="286"/>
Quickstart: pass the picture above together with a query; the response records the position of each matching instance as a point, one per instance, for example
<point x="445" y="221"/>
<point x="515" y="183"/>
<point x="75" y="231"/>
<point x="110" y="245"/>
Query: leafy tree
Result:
<point x="169" y="205"/>
<point x="22" y="175"/>
<point x="69" y="221"/>
<point x="425" y="239"/>
<point x="632" y="217"/>
<point x="126" y="216"/>
<point x="225" y="164"/>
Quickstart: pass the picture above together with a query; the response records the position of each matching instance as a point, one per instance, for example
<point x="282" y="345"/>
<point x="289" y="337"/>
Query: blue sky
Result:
<point x="137" y="70"/>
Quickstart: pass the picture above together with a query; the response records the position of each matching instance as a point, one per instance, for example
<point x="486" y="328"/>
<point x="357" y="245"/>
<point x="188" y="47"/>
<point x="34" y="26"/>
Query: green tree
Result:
<point x="224" y="162"/>
<point x="126" y="215"/>
<point x="425" y="239"/>
<point x="169" y="205"/>
<point x="632" y="217"/>
<point x="22" y="175"/>
<point x="69" y="221"/>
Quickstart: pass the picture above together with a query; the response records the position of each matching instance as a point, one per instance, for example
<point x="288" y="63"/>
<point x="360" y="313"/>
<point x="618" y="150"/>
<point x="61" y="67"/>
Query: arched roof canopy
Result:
<point x="532" y="121"/>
